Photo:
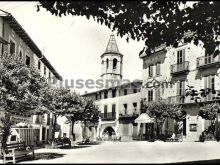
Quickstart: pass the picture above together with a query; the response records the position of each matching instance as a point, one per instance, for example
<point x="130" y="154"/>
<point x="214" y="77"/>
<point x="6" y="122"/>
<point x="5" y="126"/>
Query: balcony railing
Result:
<point x="179" y="99"/>
<point x="180" y="68"/>
<point x="206" y="61"/>
<point x="188" y="99"/>
<point x="108" y="116"/>
<point x="134" y="114"/>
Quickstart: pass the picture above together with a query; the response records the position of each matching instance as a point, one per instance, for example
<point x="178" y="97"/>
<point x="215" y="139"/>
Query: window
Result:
<point x="107" y="63"/>
<point x="208" y="58"/>
<point x="125" y="91"/>
<point x="135" y="106"/>
<point x="12" y="47"/>
<point x="115" y="63"/>
<point x="28" y="60"/>
<point x="193" y="127"/>
<point x="113" y="92"/>
<point x="48" y="119"/>
<point x="113" y="110"/>
<point x="39" y="64"/>
<point x="150" y="70"/>
<point x="157" y="94"/>
<point x="180" y="91"/>
<point x="45" y="70"/>
<point x="158" y="68"/>
<point x="49" y="74"/>
<point x="37" y="120"/>
<point x="180" y="56"/>
<point x="13" y="138"/>
<point x="105" y="111"/>
<point x="135" y="90"/>
<point x="105" y="94"/>
<point x="125" y="109"/>
<point x="20" y="55"/>
<point x="181" y="88"/>
<point x="210" y="84"/>
<point x="150" y="95"/>
<point x="97" y="96"/>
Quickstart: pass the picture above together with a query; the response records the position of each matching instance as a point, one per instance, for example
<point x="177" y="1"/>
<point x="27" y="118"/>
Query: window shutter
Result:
<point x="178" y="88"/>
<point x="183" y="55"/>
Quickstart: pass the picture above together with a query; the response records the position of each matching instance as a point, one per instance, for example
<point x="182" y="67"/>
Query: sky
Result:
<point x="73" y="45"/>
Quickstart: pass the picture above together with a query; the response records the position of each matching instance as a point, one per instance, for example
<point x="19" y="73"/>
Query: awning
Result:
<point x="3" y="41"/>
<point x="144" y="118"/>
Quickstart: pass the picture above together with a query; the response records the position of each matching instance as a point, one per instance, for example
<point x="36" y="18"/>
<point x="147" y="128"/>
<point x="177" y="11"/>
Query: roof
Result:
<point x="117" y="86"/>
<point x="144" y="118"/>
<point x="26" y="38"/>
<point x="112" y="46"/>
<point x="162" y="47"/>
<point x="3" y="41"/>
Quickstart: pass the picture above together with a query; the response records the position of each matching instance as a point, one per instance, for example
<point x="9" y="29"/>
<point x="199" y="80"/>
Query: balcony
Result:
<point x="132" y="116"/>
<point x="207" y="62"/>
<point x="179" y="100"/>
<point x="181" y="68"/>
<point x="108" y="116"/>
<point x="188" y="99"/>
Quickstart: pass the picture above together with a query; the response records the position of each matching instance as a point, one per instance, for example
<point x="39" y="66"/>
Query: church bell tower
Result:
<point x="112" y="61"/>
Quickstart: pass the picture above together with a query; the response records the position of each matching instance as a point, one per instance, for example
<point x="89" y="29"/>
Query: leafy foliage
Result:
<point x="210" y="111"/>
<point x="198" y="95"/>
<point x="155" y="22"/>
<point x="161" y="111"/>
<point x="20" y="90"/>
<point x="7" y="123"/>
<point x="83" y="110"/>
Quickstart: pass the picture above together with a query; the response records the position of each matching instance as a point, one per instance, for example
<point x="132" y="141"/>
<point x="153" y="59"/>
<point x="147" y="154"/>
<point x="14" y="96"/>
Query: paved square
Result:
<point x="131" y="152"/>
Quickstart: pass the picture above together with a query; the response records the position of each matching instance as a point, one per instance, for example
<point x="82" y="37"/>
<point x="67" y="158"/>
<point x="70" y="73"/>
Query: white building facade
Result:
<point x="171" y="71"/>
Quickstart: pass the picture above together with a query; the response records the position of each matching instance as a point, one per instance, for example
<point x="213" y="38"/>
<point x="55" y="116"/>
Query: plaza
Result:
<point x="131" y="152"/>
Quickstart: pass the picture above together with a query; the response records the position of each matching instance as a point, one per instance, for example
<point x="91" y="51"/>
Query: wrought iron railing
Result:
<point x="175" y="68"/>
<point x="108" y="116"/>
<point x="180" y="99"/>
<point x="206" y="60"/>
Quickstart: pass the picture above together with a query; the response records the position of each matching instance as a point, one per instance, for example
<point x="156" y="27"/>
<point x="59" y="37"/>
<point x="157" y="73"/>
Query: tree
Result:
<point x="208" y="111"/>
<point x="153" y="21"/>
<point x="57" y="102"/>
<point x="84" y="110"/>
<point x="161" y="111"/>
<point x="90" y="114"/>
<point x="20" y="90"/>
<point x="211" y="112"/>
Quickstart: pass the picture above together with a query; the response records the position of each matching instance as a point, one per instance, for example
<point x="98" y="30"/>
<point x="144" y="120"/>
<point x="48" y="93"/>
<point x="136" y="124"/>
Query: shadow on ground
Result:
<point x="213" y="161"/>
<point x="90" y="143"/>
<point x="75" y="147"/>
<point x="44" y="156"/>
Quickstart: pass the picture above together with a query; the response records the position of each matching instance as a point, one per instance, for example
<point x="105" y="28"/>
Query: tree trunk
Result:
<point x="72" y="131"/>
<point x="6" y="129"/>
<point x="54" y="128"/>
<point x="84" y="130"/>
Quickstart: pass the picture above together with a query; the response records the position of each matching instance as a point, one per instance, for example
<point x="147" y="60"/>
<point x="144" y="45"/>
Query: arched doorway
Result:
<point x="108" y="134"/>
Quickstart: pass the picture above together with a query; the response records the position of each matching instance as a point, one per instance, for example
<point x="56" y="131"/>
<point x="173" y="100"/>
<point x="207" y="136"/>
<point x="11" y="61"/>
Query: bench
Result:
<point x="15" y="151"/>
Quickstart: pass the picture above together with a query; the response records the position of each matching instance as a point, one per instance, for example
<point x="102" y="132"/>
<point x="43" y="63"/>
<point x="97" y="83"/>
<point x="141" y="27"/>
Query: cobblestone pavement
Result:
<point x="131" y="152"/>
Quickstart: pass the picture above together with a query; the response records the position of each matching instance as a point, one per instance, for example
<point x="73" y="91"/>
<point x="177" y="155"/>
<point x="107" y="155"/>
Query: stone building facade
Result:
<point x="15" y="40"/>
<point x="169" y="72"/>
<point x="119" y="104"/>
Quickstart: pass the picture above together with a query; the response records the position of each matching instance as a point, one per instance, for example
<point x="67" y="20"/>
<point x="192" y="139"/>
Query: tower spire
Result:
<point x="112" y="45"/>
<point x="112" y="61"/>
